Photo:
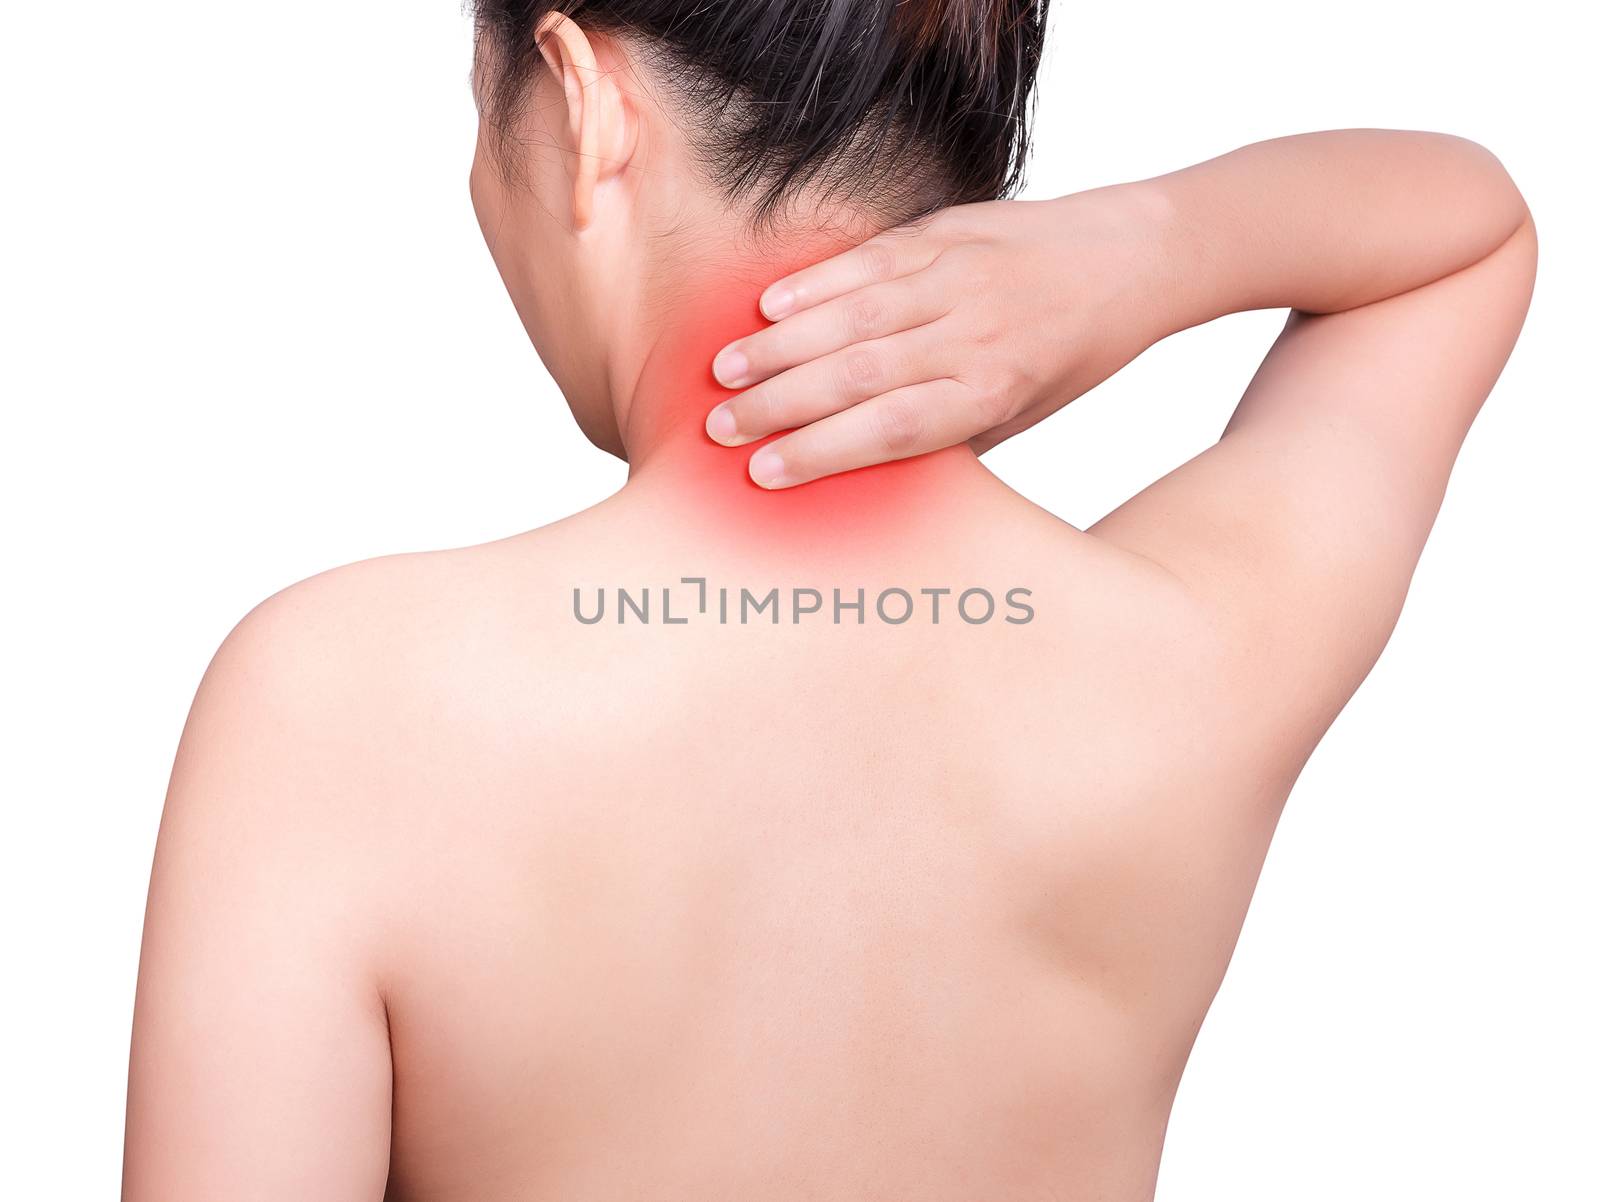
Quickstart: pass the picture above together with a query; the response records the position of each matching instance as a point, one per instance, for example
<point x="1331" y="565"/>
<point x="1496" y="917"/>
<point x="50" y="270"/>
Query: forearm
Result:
<point x="1324" y="222"/>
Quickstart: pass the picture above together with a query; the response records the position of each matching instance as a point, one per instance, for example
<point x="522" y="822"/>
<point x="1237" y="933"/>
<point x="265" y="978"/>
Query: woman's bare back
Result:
<point x="788" y="904"/>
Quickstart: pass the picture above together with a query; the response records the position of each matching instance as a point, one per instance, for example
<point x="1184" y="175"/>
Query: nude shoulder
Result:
<point x="367" y="651"/>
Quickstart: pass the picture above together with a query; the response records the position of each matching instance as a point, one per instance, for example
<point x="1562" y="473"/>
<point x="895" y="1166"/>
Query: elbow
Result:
<point x="1505" y="220"/>
<point x="1524" y="243"/>
<point x="1509" y="206"/>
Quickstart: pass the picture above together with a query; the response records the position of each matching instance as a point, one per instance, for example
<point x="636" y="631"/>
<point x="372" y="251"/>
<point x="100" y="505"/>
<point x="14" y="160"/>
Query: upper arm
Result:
<point x="260" y="1061"/>
<point x="1302" y="526"/>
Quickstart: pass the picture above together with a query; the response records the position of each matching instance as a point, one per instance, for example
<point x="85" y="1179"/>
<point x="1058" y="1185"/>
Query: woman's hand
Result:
<point x="967" y="327"/>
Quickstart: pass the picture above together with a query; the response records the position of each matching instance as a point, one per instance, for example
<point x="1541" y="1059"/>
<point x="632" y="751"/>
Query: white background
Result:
<point x="250" y="332"/>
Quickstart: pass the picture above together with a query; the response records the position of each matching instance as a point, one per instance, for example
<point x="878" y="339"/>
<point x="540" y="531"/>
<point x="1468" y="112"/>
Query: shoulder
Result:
<point x="342" y="716"/>
<point x="371" y="621"/>
<point x="326" y="686"/>
<point x="322" y="641"/>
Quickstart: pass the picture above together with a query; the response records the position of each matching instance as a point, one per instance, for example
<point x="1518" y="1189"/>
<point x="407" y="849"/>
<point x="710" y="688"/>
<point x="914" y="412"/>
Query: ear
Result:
<point x="599" y="121"/>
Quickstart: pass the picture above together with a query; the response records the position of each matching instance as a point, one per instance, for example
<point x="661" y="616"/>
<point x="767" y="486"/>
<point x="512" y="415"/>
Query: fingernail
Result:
<point x="721" y="425"/>
<point x="777" y="302"/>
<point x="730" y="368"/>
<point x="766" y="469"/>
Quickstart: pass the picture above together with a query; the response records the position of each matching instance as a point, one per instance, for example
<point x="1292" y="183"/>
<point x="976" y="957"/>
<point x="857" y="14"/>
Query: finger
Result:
<point x="832" y="383"/>
<point x="874" y="312"/>
<point x="897" y="425"/>
<point x="883" y="257"/>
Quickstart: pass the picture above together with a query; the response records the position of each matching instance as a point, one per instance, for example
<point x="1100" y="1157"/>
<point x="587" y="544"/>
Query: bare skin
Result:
<point x="457" y="897"/>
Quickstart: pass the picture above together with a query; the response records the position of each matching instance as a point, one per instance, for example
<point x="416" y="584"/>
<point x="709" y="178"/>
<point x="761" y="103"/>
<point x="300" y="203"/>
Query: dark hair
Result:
<point x="905" y="106"/>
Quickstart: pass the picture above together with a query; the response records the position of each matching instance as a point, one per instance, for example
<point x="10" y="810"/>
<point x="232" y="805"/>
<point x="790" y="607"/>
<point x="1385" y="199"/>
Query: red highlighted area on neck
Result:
<point x="669" y="447"/>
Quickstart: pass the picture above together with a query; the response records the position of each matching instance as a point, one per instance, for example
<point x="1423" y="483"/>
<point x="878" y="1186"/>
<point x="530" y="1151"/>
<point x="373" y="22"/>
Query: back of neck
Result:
<point x="673" y="459"/>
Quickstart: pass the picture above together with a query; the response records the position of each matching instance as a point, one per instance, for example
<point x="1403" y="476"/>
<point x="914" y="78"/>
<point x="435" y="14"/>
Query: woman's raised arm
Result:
<point x="978" y="322"/>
